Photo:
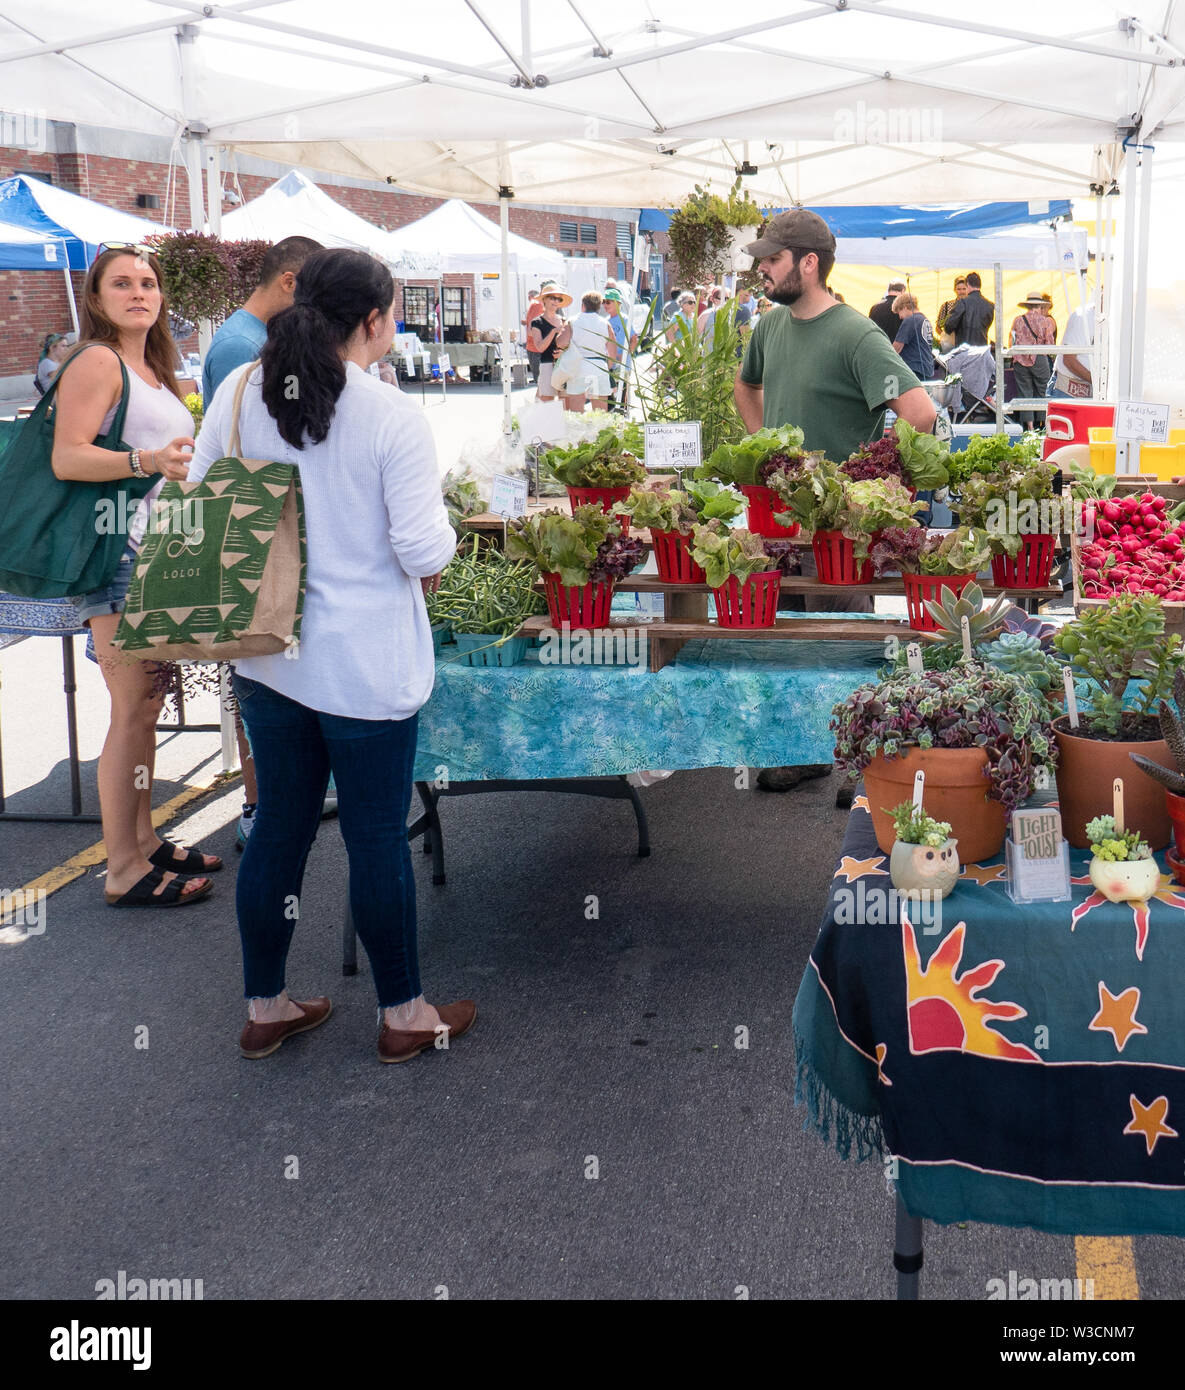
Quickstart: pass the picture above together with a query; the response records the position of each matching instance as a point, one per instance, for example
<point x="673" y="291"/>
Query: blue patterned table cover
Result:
<point x="719" y="704"/>
<point x="37" y="617"/>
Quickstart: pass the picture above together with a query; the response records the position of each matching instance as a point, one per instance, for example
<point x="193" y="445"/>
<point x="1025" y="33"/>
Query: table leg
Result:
<point x="907" y="1253"/>
<point x="640" y="816"/>
<point x="70" y="686"/>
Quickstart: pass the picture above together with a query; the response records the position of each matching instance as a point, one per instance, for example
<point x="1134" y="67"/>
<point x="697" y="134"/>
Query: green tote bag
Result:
<point x="59" y="537"/>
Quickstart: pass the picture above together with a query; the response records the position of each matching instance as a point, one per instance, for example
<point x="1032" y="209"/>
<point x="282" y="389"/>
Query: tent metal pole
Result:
<point x="70" y="297"/>
<point x="1140" y="279"/>
<point x="999" y="275"/>
<point x="213" y="189"/>
<point x="1127" y="297"/>
<point x="504" y="281"/>
<point x="1099" y="366"/>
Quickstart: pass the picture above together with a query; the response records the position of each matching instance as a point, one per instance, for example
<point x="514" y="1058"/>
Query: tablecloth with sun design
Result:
<point x="1024" y="1066"/>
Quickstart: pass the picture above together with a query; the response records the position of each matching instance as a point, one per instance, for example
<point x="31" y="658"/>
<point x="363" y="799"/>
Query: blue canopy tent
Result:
<point x="83" y="225"/>
<point x="22" y="249"/>
<point x="951" y="219"/>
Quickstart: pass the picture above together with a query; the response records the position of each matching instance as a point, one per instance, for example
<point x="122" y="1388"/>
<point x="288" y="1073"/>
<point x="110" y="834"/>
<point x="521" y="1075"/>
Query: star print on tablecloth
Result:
<point x="1149" y="1120"/>
<point x="983" y="874"/>
<point x="881" y="1053"/>
<point x="1141" y="911"/>
<point x="852" y="869"/>
<point x="1117" y="1015"/>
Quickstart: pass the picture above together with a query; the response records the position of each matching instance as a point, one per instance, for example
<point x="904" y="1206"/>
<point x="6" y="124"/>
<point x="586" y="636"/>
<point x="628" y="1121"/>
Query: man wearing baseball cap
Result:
<point x="823" y="366"/>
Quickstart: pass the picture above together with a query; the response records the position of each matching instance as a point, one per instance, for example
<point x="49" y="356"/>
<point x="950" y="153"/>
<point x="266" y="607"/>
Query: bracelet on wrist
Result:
<point x="134" y="464"/>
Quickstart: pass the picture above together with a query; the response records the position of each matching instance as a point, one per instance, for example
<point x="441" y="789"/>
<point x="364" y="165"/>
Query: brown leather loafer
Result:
<point x="396" y="1045"/>
<point x="262" y="1039"/>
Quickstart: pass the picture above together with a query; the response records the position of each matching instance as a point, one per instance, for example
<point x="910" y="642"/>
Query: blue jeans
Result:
<point x="294" y="749"/>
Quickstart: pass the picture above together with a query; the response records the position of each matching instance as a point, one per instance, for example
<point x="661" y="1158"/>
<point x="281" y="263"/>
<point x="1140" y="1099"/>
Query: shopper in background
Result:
<point x="949" y="304"/>
<point x="54" y="350"/>
<point x="915" y="338"/>
<point x="593" y="340"/>
<point x="626" y="345"/>
<point x="1073" y="378"/>
<point x="378" y="537"/>
<point x="124" y="318"/>
<point x="969" y="320"/>
<point x="239" y="340"/>
<point x="716" y="297"/>
<point x="882" y="313"/>
<point x="534" y="310"/>
<point x="549" y="335"/>
<point x="1031" y="370"/>
<point x="685" y="319"/>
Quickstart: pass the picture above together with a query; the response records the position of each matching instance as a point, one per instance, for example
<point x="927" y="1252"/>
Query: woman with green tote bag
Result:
<point x="124" y="336"/>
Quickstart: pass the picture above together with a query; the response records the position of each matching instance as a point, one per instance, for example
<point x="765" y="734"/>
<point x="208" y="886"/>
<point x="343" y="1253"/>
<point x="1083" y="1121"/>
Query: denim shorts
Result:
<point x="111" y="598"/>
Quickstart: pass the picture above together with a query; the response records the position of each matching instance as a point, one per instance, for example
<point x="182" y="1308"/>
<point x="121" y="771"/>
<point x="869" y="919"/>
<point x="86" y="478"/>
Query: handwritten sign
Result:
<point x="1142" y="420"/>
<point x="444" y="363"/>
<point x="673" y="445"/>
<point x="1038" y="859"/>
<point x="409" y="365"/>
<point x="508" y="495"/>
<point x="913" y="654"/>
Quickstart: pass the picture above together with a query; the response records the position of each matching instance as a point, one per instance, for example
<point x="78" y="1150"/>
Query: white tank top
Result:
<point x="155" y="418"/>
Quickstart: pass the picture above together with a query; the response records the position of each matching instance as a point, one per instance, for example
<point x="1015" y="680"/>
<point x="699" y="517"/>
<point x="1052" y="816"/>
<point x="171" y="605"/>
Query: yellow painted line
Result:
<point x="1111" y="1262"/>
<point x="96" y="854"/>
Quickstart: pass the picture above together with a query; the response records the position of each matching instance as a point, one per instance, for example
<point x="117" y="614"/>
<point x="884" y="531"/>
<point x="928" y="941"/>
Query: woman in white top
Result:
<point x="124" y="317"/>
<point x="347" y="697"/>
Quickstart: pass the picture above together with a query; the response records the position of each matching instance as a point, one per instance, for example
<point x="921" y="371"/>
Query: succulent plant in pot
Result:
<point x="580" y="557"/>
<point x="1122" y="867"/>
<point x="1171" y="778"/>
<point x="671" y="515"/>
<point x="744" y="579"/>
<point x="1129" y="665"/>
<point x="924" y="858"/>
<point x="978" y="734"/>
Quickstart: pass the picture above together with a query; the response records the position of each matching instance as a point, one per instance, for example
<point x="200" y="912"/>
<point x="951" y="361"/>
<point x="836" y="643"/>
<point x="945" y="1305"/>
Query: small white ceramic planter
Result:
<point x="1125" y="880"/>
<point x="921" y="868"/>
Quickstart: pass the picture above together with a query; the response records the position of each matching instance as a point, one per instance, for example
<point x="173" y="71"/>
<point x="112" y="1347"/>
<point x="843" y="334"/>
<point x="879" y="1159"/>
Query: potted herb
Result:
<point x="924" y="857"/>
<point x="1121" y="651"/>
<point x="601" y="470"/>
<point x="930" y="562"/>
<point x="744" y="581"/>
<point x="1016" y="509"/>
<point x="1172" y="779"/>
<point x="917" y="460"/>
<point x="750" y="464"/>
<point x="977" y="733"/>
<point x="1122" y="867"/>
<point x="843" y="518"/>
<point x="484" y="598"/>
<point x="671" y="515"/>
<point x="581" y="557"/>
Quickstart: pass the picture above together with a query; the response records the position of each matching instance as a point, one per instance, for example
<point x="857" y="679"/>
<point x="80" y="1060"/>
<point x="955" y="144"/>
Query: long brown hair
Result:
<point x="160" y="352"/>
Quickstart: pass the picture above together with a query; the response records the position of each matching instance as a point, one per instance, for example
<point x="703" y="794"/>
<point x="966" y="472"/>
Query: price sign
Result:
<point x="913" y="654"/>
<point x="673" y="445"/>
<point x="1038" y="860"/>
<point x="409" y="365"/>
<point x="508" y="495"/>
<point x="443" y="363"/>
<point x="1142" y="420"/>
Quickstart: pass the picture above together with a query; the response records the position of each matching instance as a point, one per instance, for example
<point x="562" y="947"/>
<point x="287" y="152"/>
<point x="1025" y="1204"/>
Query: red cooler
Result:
<point x="1067" y="422"/>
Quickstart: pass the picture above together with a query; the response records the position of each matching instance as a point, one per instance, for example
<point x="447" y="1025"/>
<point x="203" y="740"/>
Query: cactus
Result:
<point x="985" y="623"/>
<point x="1174" y="735"/>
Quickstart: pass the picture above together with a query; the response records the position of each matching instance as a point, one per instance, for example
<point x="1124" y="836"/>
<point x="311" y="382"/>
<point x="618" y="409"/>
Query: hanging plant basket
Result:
<point x="672" y="554"/>
<point x="1030" y="568"/>
<point x="761" y="503"/>
<point x="922" y="587"/>
<point x="751" y="604"/>
<point x="835" y="559"/>
<point x="586" y="606"/>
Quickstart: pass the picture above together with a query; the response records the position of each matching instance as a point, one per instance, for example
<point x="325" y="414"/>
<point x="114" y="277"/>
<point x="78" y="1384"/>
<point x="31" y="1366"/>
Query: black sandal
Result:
<point x="194" y="864"/>
<point x="142" y="894"/>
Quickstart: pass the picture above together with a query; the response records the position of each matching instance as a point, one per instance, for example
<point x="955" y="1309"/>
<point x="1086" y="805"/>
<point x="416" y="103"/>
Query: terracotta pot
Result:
<point x="921" y="869"/>
<point x="1175" y="805"/>
<point x="956" y="791"/>
<point x="1086" y="771"/>
<point x="1125" y="881"/>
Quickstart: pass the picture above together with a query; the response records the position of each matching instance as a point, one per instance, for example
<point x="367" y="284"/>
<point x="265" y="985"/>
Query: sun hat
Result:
<point x="550" y="287"/>
<point x="799" y="228"/>
<point x="614" y="295"/>
<point x="1034" y="301"/>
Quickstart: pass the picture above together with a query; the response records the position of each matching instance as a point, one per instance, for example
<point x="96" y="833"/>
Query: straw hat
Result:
<point x="1034" y="301"/>
<point x="550" y="287"/>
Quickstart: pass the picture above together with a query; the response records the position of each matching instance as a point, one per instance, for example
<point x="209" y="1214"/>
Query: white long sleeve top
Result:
<point x="376" y="524"/>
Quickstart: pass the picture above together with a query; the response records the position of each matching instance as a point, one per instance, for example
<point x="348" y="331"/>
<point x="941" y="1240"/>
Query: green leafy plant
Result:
<point x="1121" y="651"/>
<point x="824" y="499"/>
<point x="1108" y="843"/>
<point x="462" y="497"/>
<point x="1007" y="505"/>
<point x="914" y="827"/>
<point x="587" y="547"/>
<point x="992" y="453"/>
<point x="923" y="457"/>
<point x="483" y="590"/>
<point x="671" y="509"/>
<point x="969" y="706"/>
<point x="699" y="230"/>
<point x="723" y="554"/>
<point x="744" y="463"/>
<point x="913" y="550"/>
<point x="601" y="462"/>
<point x="1173" y="732"/>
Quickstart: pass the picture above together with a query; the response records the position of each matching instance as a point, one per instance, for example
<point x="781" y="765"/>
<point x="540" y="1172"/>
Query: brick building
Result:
<point x="134" y="174"/>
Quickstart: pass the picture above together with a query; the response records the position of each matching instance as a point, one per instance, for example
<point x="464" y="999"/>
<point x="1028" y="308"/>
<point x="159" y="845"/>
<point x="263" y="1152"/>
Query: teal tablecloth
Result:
<point x="720" y="704"/>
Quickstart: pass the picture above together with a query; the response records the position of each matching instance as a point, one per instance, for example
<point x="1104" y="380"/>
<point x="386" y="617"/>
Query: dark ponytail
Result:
<point x="303" y="370"/>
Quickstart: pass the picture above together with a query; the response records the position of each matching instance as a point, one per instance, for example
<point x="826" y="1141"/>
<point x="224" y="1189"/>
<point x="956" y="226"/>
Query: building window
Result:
<point x="588" y="232"/>
<point x="625" y="240"/>
<point x="569" y="231"/>
<point x="456" y="306"/>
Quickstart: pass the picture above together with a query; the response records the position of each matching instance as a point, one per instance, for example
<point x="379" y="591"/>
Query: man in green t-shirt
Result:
<point x="823" y="366"/>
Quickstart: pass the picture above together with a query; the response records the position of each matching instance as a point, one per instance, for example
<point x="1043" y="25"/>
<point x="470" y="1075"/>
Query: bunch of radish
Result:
<point x="1137" y="547"/>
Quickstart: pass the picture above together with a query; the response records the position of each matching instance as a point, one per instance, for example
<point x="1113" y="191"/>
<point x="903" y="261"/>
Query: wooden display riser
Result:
<point x="800" y="584"/>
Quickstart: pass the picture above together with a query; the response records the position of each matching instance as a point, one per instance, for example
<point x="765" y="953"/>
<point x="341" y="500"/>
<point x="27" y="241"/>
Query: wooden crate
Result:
<point x="1174" y="612"/>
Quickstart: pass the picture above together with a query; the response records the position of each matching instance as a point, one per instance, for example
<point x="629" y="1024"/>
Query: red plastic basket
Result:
<point x="672" y="555"/>
<point x="752" y="604"/>
<point x="762" y="502"/>
<point x="587" y="606"/>
<point x="1031" y="567"/>
<point x="920" y="587"/>
<point x="835" y="559"/>
<point x="603" y="496"/>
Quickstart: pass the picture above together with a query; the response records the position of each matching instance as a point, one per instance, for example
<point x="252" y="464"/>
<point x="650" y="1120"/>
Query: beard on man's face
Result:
<point x="788" y="290"/>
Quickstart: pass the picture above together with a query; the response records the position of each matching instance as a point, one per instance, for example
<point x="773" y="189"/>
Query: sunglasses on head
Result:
<point x="138" y="248"/>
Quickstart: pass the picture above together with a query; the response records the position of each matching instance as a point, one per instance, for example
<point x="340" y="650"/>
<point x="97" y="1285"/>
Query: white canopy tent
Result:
<point x="296" y="206"/>
<point x="813" y="101"/>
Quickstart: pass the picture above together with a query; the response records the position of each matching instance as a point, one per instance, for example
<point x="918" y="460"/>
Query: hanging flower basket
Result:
<point x="603" y="497"/>
<point x="762" y="502"/>
<point x="585" y="607"/>
<point x="672" y="554"/>
<point x="922" y="587"/>
<point x="1030" y="568"/>
<point x="835" y="559"/>
<point x="751" y="604"/>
